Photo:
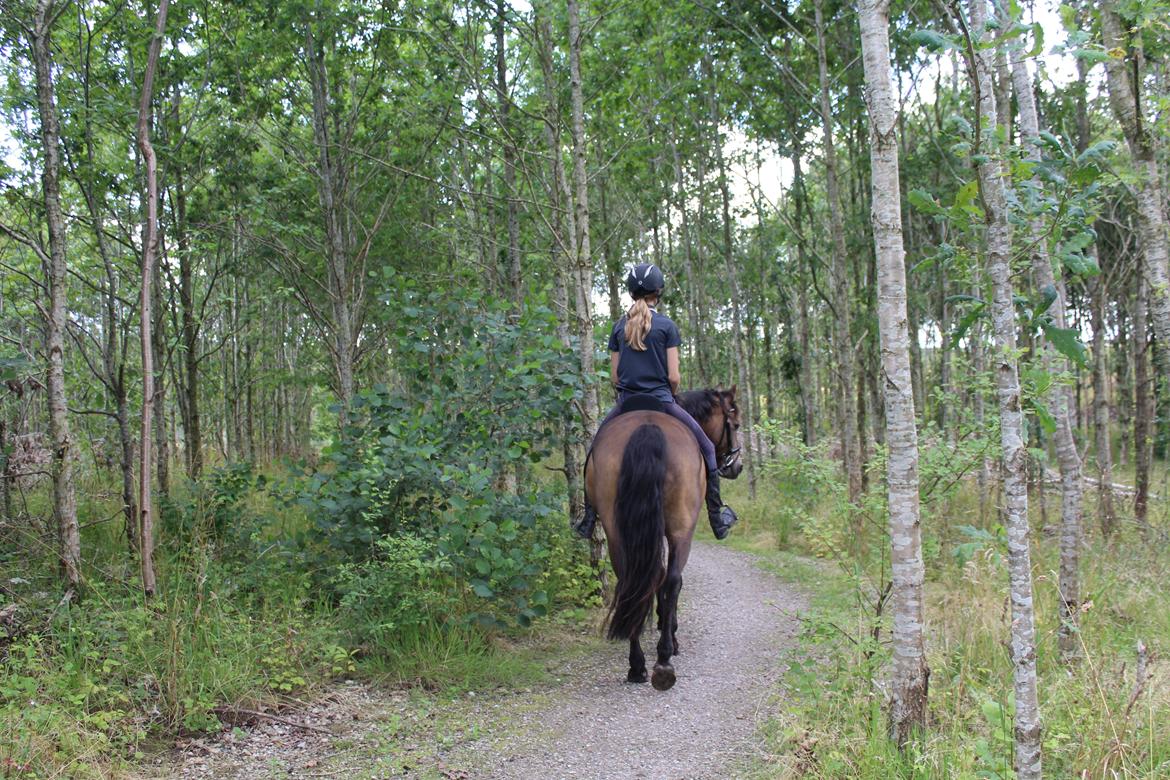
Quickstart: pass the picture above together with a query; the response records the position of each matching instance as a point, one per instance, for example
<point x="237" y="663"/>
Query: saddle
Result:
<point x="641" y="403"/>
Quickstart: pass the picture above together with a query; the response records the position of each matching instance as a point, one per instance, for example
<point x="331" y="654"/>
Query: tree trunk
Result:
<point x="150" y="241"/>
<point x="1071" y="479"/>
<point x="842" y="338"/>
<point x="1014" y="453"/>
<point x="63" y="454"/>
<point x="910" y="678"/>
<point x="158" y="346"/>
<point x="695" y="335"/>
<point x="332" y="191"/>
<point x="808" y="382"/>
<point x="582" y="255"/>
<point x="193" y="433"/>
<point x="1105" y="514"/>
<point x="1126" y="101"/>
<point x="1143" y="411"/>
<point x="515" y="273"/>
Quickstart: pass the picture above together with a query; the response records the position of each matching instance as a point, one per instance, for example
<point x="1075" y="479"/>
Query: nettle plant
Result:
<point x="446" y="452"/>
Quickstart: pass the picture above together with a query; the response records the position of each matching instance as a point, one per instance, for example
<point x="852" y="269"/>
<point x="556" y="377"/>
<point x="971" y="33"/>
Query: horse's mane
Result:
<point x="700" y="404"/>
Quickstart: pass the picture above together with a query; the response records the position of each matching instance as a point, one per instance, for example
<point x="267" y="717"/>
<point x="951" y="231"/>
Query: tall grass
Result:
<point x="833" y="724"/>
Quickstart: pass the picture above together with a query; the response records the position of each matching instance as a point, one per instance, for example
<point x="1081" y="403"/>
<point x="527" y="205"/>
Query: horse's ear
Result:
<point x="731" y="393"/>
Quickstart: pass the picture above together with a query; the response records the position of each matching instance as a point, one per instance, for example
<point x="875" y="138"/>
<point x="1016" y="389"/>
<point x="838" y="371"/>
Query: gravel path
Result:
<point x="737" y="628"/>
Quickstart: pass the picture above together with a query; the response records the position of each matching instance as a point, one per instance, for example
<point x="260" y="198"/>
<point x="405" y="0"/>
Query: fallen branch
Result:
<point x="232" y="714"/>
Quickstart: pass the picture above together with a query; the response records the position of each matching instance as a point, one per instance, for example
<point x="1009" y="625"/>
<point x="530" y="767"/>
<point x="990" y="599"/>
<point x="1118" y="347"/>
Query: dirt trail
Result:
<point x="737" y="627"/>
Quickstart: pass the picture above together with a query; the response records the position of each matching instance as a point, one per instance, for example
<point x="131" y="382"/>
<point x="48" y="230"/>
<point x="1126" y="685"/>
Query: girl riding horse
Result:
<point x="643" y="347"/>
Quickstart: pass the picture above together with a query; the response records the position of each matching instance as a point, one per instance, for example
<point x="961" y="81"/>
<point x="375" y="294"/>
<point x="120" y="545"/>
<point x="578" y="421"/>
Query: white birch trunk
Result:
<point x="910" y="675"/>
<point x="1058" y="397"/>
<point x="1014" y="452"/>
<point x="64" y="495"/>
<point x="149" y="256"/>
<point x="1126" y="102"/>
<point x="583" y="257"/>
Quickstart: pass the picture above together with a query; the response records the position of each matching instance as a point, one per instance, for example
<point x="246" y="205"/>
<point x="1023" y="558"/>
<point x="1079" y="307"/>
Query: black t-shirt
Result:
<point x="645" y="371"/>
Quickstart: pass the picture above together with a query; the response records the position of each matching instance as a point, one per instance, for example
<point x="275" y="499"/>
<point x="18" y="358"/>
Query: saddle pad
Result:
<point x="641" y="402"/>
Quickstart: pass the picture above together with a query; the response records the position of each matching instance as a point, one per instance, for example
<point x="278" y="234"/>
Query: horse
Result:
<point x="647" y="480"/>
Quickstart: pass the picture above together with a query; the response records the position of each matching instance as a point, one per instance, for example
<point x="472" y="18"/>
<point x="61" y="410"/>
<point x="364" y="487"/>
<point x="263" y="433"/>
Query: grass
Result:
<point x="832" y="723"/>
<point x="241" y="621"/>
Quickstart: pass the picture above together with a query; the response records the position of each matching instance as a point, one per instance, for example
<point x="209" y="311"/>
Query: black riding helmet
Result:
<point x="645" y="279"/>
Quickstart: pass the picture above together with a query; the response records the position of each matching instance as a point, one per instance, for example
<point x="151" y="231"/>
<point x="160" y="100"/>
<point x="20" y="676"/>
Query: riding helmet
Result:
<point x="645" y="279"/>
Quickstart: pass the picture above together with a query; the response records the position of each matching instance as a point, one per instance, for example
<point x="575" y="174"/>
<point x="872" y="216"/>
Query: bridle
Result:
<point x="726" y="436"/>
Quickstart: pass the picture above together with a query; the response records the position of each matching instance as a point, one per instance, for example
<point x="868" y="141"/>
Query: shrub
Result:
<point x="405" y="588"/>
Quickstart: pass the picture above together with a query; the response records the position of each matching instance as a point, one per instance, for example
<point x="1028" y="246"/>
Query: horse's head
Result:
<point x="725" y="427"/>
<point x="718" y="416"/>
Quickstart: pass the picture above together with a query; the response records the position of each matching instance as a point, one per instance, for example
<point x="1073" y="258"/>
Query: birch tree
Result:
<point x="910" y="675"/>
<point x="60" y="434"/>
<point x="1125" y="98"/>
<point x="1014" y="456"/>
<point x="1058" y="396"/>
<point x="150" y="240"/>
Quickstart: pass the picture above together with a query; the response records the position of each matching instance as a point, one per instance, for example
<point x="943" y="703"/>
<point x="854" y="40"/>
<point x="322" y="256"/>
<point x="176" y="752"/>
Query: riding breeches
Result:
<point x="706" y="446"/>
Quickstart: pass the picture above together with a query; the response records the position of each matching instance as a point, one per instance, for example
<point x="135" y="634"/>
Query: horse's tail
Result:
<point x="641" y="527"/>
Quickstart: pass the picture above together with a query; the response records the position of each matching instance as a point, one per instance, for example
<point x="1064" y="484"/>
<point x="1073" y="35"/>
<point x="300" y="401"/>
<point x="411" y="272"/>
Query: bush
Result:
<point x="405" y="588"/>
<point x="446" y="456"/>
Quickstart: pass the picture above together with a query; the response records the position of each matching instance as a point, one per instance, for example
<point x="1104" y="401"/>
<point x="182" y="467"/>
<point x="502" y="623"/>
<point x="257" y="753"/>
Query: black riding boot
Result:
<point x="583" y="525"/>
<point x="721" y="517"/>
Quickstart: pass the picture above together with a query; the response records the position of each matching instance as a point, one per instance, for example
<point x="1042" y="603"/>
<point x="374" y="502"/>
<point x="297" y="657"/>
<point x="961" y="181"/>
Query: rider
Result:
<point x="643" y="347"/>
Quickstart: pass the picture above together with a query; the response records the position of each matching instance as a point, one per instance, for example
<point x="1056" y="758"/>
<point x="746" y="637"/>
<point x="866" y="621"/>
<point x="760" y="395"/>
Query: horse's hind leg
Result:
<point x="637" y="673"/>
<point x="663" y="678"/>
<point x="669" y="622"/>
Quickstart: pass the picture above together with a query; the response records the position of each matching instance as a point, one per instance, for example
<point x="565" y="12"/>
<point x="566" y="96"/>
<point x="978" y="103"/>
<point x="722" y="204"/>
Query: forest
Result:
<point x="303" y="314"/>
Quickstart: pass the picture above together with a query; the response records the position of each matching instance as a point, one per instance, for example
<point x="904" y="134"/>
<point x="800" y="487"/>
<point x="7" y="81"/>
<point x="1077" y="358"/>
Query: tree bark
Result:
<point x="60" y="434"/>
<point x="332" y="192"/>
<point x="1143" y="417"/>
<point x="150" y="241"/>
<point x="911" y="676"/>
<point x="1105" y="514"/>
<point x="1125" y="99"/>
<point x="515" y="272"/>
<point x="1071" y="479"/>
<point x="1014" y="453"/>
<point x="582" y="255"/>
<point x="842" y="329"/>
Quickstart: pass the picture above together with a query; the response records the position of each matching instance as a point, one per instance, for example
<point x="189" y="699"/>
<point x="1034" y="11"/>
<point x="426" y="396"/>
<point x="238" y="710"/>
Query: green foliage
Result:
<point x="405" y="588"/>
<point x="480" y="400"/>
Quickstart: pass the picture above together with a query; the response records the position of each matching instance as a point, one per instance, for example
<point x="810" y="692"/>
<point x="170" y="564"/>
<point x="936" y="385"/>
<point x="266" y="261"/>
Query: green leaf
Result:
<point x="1037" y="40"/>
<point x="932" y="40"/>
<point x="925" y="202"/>
<point x="969" y="319"/>
<point x="1047" y="421"/>
<point x="1067" y="342"/>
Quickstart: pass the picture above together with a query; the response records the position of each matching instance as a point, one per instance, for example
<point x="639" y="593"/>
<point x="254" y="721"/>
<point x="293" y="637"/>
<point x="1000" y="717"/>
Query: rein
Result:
<point x="726" y="436"/>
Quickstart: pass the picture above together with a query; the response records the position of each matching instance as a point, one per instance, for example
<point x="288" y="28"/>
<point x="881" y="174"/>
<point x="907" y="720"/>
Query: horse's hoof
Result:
<point x="639" y="676"/>
<point x="663" y="679"/>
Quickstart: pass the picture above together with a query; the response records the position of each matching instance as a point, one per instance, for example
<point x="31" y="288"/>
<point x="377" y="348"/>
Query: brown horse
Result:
<point x="646" y="478"/>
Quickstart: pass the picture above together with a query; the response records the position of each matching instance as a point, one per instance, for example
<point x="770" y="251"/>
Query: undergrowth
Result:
<point x="249" y="616"/>
<point x="832" y="722"/>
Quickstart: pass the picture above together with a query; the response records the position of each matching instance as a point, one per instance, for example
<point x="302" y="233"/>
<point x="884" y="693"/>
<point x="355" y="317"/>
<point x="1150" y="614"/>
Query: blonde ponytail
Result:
<point x="638" y="324"/>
